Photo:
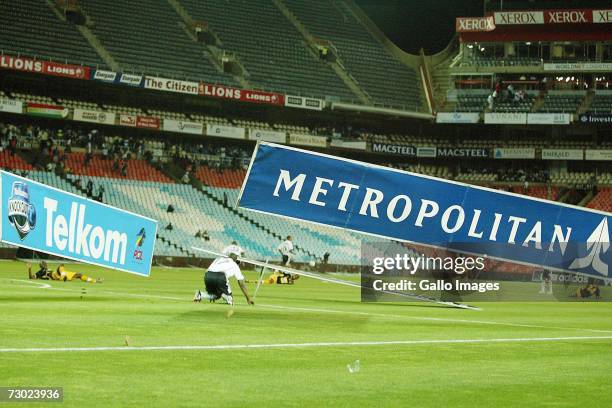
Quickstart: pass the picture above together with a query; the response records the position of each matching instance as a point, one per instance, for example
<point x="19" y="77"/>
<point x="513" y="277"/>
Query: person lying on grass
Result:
<point x="59" y="274"/>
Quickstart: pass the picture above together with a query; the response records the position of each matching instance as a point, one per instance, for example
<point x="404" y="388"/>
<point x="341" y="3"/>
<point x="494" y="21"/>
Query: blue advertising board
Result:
<point x="43" y="218"/>
<point x="409" y="207"/>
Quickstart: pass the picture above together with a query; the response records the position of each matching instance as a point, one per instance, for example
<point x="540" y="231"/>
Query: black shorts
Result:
<point x="216" y="284"/>
<point x="285" y="259"/>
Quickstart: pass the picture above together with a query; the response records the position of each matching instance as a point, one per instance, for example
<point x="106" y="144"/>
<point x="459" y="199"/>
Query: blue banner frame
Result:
<point x="395" y="204"/>
<point x="43" y="218"/>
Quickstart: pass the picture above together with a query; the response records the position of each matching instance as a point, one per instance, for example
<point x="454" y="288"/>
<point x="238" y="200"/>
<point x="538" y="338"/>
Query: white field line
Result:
<point x="440" y="319"/>
<point x="304" y="345"/>
<point x="319" y="310"/>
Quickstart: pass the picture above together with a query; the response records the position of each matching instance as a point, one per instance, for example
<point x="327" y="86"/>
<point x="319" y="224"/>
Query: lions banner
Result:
<point x="420" y="209"/>
<point x="49" y="220"/>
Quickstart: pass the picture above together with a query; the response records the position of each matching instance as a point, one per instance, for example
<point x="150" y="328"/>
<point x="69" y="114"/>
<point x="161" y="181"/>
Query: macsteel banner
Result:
<point x="45" y="219"/>
<point x="396" y="149"/>
<point x="243" y="95"/>
<point x="83" y="115"/>
<point x="474" y="24"/>
<point x="11" y="105"/>
<point x="171" y="85"/>
<point x="457" y="117"/>
<point x="44" y="67"/>
<point x="462" y="152"/>
<point x="394" y="204"/>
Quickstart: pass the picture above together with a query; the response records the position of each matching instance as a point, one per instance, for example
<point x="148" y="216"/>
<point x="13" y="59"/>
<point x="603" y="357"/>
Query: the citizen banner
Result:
<point x="244" y="95"/>
<point x="45" y="219"/>
<point x="408" y="207"/>
<point x="171" y="85"/>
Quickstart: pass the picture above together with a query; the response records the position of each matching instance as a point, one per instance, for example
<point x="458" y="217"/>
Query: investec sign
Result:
<point x="45" y="219"/>
<point x="408" y="207"/>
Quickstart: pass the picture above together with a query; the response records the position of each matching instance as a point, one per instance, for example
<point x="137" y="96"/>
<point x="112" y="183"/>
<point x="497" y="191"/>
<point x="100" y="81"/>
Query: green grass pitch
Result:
<point x="158" y="311"/>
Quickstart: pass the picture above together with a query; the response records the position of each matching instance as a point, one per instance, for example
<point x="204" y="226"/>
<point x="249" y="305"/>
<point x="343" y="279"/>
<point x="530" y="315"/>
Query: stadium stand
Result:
<point x="147" y="37"/>
<point x="380" y="75"/>
<point x="602" y="200"/>
<point x="602" y="102"/>
<point x="272" y="50"/>
<point x="98" y="166"/>
<point x="35" y="30"/>
<point x="562" y="101"/>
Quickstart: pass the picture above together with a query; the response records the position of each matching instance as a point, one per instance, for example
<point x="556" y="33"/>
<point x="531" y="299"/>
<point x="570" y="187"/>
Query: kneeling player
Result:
<point x="62" y="274"/>
<point x="217" y="277"/>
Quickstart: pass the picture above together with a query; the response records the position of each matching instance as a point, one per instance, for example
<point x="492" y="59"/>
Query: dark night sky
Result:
<point x="416" y="24"/>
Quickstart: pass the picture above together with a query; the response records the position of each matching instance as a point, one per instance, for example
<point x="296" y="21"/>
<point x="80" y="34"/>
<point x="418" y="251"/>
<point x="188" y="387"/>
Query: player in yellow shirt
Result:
<point x="59" y="274"/>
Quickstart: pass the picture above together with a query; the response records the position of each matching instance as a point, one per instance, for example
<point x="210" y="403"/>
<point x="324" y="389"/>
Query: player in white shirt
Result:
<point x="216" y="279"/>
<point x="286" y="250"/>
<point x="233" y="247"/>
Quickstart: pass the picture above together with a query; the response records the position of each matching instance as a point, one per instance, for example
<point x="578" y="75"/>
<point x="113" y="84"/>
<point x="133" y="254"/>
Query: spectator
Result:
<point x="510" y="92"/>
<point x="124" y="169"/>
<point x="169" y="227"/>
<point x="490" y="102"/>
<point x="101" y="193"/>
<point x="170" y="208"/>
<point x="185" y="179"/>
<point x="205" y="236"/>
<point x="225" y="199"/>
<point x="89" y="189"/>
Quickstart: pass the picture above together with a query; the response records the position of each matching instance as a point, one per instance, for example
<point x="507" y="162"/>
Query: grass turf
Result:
<point x="559" y="373"/>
